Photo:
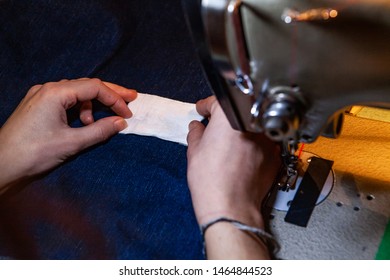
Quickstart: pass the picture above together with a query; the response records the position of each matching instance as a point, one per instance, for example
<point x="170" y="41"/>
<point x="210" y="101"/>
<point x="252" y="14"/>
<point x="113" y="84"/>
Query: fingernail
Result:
<point x="120" y="124"/>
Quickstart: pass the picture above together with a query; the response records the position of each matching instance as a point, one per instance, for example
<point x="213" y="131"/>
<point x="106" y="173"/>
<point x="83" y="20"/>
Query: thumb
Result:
<point x="98" y="131"/>
<point x="195" y="133"/>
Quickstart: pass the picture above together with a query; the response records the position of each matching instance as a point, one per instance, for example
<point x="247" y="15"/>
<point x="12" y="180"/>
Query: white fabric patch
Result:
<point x="161" y="117"/>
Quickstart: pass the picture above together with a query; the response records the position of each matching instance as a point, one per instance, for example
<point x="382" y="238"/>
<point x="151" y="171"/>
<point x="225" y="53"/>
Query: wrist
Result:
<point x="7" y="178"/>
<point x="249" y="215"/>
<point x="225" y="238"/>
<point x="239" y="201"/>
<point x="11" y="170"/>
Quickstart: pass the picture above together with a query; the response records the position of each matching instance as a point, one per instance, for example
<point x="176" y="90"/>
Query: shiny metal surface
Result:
<point x="336" y="52"/>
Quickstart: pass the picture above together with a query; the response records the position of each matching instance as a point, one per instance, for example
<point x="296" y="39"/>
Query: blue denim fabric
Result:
<point x="128" y="197"/>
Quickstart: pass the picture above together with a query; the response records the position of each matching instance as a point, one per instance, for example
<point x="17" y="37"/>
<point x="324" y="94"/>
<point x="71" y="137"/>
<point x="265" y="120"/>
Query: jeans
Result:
<point x="126" y="198"/>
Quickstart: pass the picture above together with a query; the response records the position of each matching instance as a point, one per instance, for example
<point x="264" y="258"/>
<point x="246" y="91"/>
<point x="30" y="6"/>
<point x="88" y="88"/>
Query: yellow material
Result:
<point x="371" y="113"/>
<point x="363" y="149"/>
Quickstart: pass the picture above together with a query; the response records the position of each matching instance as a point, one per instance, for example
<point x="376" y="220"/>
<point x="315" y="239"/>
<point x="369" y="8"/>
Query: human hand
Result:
<point x="37" y="136"/>
<point x="229" y="172"/>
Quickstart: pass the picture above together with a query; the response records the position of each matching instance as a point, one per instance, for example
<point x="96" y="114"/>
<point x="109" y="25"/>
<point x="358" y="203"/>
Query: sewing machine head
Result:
<point x="290" y="68"/>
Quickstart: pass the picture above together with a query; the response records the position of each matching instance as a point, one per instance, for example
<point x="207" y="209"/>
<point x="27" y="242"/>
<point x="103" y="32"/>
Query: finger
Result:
<point x="127" y="94"/>
<point x="86" y="116"/>
<point x="96" y="132"/>
<point x="205" y="106"/>
<point x="195" y="133"/>
<point x="86" y="90"/>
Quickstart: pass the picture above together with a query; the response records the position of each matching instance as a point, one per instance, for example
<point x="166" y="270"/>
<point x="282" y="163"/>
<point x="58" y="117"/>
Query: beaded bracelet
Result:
<point x="266" y="238"/>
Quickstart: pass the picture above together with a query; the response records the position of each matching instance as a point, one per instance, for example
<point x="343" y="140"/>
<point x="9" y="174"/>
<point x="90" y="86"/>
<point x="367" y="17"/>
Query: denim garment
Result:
<point x="128" y="197"/>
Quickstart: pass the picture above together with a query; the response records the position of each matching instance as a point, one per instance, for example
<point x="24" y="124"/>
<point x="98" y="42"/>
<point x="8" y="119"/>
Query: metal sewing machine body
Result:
<point x="290" y="68"/>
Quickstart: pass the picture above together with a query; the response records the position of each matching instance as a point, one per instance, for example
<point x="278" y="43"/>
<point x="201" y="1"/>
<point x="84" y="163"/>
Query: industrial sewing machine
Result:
<point x="291" y="68"/>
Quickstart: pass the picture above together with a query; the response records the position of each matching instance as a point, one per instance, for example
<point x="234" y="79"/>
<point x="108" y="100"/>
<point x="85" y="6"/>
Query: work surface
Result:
<point x="351" y="222"/>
